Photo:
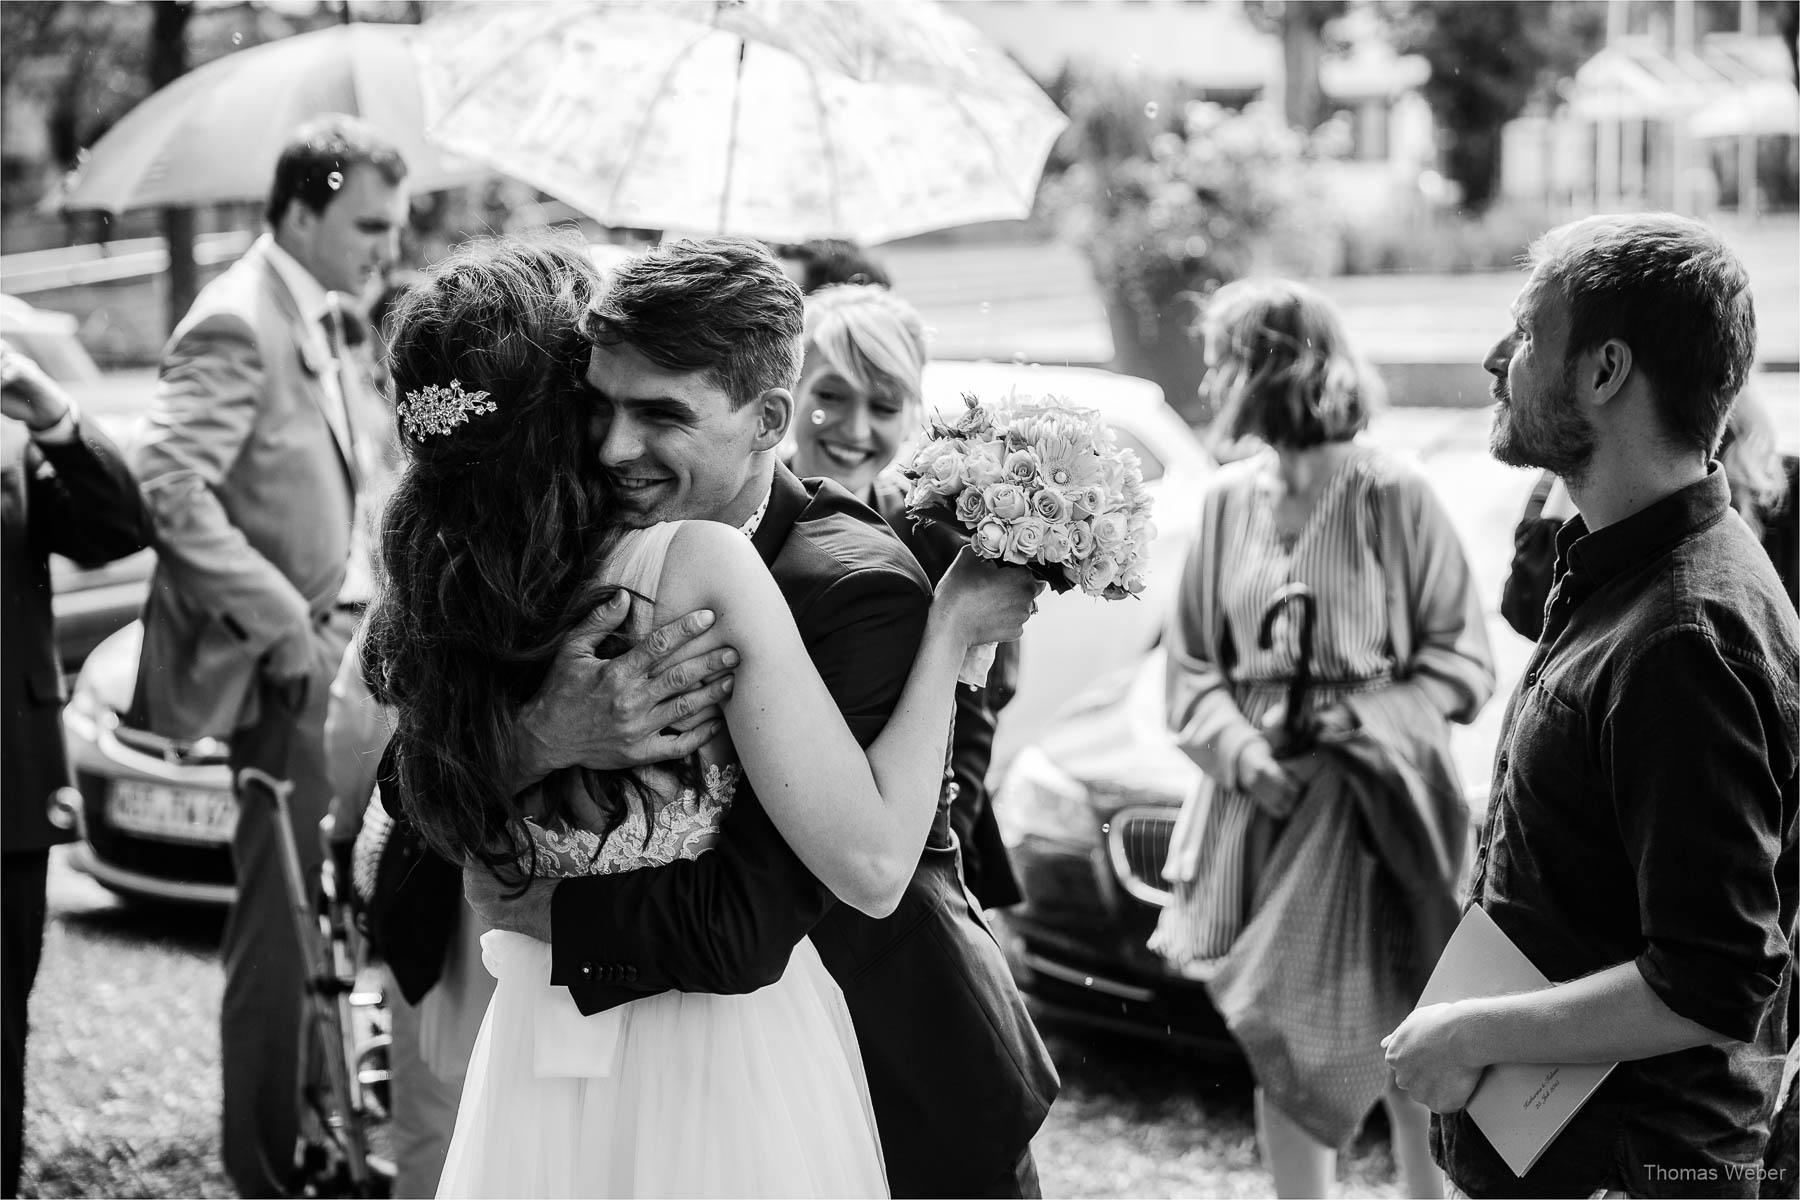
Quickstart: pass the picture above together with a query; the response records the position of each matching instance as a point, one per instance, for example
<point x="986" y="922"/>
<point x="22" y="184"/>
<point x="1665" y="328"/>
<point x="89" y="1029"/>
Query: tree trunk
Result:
<point x="1300" y="52"/>
<point x="168" y="62"/>
<point x="1167" y="355"/>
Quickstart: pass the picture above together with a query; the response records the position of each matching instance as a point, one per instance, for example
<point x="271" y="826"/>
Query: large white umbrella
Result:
<point x="213" y="135"/>
<point x="780" y="119"/>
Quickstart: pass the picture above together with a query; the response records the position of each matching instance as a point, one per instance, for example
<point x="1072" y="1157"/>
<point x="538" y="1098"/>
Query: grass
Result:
<point x="123" y="1079"/>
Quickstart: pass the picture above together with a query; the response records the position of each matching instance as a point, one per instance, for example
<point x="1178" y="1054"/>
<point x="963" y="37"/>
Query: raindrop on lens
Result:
<point x="237" y="39"/>
<point x="1018" y="358"/>
<point x="1089" y="981"/>
<point x="1106" y="827"/>
<point x="1150" y="110"/>
<point x="983" y="308"/>
<point x="335" y="180"/>
<point x="818" y="416"/>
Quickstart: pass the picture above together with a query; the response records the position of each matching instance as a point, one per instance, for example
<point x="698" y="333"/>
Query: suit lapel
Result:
<point x="318" y="365"/>
<point x="788" y="498"/>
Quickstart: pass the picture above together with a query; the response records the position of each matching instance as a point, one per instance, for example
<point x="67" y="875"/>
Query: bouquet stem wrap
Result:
<point x="977" y="662"/>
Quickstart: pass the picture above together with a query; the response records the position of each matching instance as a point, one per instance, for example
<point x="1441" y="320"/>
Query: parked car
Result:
<point x="155" y="815"/>
<point x="1086" y="810"/>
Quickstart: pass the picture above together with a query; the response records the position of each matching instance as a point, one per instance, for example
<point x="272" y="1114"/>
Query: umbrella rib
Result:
<point x="831" y="165"/>
<point x="552" y="18"/>
<point x="643" y="129"/>
<point x="993" y="148"/>
<point x="731" y="128"/>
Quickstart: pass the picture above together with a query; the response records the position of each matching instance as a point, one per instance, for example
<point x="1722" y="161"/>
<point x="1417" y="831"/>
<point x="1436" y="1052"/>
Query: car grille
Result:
<point x="158" y="859"/>
<point x="1137" y="840"/>
<point x="202" y="753"/>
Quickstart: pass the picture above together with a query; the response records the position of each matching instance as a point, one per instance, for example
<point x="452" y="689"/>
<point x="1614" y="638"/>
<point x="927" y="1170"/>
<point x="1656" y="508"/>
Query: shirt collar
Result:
<point x="309" y="293"/>
<point x="1604" y="553"/>
<point x="749" y="528"/>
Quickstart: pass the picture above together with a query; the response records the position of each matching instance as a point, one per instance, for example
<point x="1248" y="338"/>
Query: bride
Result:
<point x="500" y="537"/>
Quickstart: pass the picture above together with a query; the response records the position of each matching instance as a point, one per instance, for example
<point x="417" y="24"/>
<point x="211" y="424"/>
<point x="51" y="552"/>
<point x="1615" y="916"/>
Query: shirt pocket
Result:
<point x="1547" y="776"/>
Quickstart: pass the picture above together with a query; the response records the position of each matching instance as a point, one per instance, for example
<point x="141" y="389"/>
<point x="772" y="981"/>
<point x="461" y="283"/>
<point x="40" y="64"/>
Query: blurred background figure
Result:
<point x="436" y="988"/>
<point x="66" y="490"/>
<point x="858" y="403"/>
<point x="824" y="262"/>
<point x="1765" y="491"/>
<point x="1265" y="860"/>
<point x="252" y="469"/>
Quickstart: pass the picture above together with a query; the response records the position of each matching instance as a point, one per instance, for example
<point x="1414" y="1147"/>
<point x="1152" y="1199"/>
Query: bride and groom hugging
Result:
<point x="733" y="947"/>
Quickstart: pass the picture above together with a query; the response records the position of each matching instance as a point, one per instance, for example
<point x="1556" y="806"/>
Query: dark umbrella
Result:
<point x="1298" y="726"/>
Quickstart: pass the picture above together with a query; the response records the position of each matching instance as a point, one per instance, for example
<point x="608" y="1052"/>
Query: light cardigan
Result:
<point x="1435" y="622"/>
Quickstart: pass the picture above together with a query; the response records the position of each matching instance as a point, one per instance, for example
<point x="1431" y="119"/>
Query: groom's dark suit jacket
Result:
<point x="959" y="1077"/>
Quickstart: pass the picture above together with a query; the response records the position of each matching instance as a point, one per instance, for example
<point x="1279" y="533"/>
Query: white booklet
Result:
<point x="1521" y="1107"/>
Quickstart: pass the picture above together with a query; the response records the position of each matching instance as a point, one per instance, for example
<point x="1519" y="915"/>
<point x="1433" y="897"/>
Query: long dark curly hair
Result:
<point x="490" y="539"/>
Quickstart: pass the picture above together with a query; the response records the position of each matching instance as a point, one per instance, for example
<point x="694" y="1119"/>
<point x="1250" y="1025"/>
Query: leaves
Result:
<point x="1488" y="61"/>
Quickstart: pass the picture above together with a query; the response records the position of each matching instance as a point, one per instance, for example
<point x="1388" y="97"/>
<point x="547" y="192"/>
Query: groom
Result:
<point x="696" y="350"/>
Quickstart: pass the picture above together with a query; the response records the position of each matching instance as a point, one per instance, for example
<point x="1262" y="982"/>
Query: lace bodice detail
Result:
<point x="685" y="826"/>
<point x="686" y="823"/>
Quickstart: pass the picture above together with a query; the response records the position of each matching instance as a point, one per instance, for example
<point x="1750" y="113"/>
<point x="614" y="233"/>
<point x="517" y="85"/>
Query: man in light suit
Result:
<point x="250" y="467"/>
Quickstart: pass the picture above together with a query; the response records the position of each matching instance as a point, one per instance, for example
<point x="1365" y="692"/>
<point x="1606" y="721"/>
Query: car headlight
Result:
<point x="1038" y="798"/>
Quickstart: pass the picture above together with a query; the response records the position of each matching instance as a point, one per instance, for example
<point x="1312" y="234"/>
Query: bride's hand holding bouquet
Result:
<point x="1040" y="484"/>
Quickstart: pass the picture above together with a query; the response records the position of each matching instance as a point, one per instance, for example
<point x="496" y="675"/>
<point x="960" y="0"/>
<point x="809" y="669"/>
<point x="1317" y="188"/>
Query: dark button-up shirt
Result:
<point x="1643" y="811"/>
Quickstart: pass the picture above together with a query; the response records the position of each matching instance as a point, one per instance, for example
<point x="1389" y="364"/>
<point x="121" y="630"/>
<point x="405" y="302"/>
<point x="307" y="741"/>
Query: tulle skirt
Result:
<point x="673" y="1095"/>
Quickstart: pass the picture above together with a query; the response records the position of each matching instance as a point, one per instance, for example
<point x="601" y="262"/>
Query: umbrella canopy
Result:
<point x="780" y="119"/>
<point x="213" y="135"/>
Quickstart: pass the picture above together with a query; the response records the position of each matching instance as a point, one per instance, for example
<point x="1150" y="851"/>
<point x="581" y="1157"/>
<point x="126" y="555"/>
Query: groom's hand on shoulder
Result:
<point x="656" y="702"/>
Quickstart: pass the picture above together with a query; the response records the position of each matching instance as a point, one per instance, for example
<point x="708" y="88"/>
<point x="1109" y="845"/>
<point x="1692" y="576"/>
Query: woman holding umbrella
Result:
<point x="858" y="403"/>
<point x="1327" y="604"/>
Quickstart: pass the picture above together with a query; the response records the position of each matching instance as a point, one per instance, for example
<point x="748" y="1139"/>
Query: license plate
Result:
<point x="174" y="813"/>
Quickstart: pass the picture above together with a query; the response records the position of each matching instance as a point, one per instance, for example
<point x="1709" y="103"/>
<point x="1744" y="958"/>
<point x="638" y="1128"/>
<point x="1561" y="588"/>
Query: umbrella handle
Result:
<point x="1298" y="722"/>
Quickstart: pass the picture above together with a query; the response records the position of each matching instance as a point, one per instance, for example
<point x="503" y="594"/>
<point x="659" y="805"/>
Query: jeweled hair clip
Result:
<point x="435" y="409"/>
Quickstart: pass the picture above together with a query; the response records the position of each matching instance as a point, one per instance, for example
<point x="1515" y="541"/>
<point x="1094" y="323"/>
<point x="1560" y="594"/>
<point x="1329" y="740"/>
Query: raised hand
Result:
<point x="26" y="393"/>
<point x="986" y="601"/>
<point x="656" y="702"/>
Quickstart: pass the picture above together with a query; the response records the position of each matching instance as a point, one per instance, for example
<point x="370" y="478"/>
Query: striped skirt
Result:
<point x="1232" y="838"/>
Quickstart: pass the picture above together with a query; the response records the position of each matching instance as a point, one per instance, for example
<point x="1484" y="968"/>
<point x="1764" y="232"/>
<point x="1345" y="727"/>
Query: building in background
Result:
<point x="1374" y="118"/>
<point x="1668" y="115"/>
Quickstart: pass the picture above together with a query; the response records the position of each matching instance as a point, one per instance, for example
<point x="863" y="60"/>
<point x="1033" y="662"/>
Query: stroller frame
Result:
<point x="343" y="1079"/>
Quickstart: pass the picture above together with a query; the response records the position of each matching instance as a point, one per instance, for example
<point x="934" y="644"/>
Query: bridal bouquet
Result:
<point x="1040" y="483"/>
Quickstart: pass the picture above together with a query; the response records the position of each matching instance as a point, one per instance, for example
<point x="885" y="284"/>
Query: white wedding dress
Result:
<point x="676" y="1094"/>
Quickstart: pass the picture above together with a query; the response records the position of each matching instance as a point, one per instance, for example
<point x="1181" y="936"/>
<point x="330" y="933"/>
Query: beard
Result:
<point x="1551" y="434"/>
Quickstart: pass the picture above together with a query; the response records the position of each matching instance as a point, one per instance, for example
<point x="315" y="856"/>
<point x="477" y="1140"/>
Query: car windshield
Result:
<point x="1152" y="465"/>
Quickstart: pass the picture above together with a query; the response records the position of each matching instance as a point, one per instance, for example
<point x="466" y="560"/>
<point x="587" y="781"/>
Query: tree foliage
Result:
<point x="1170" y="198"/>
<point x="1489" y="61"/>
<point x="87" y="64"/>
